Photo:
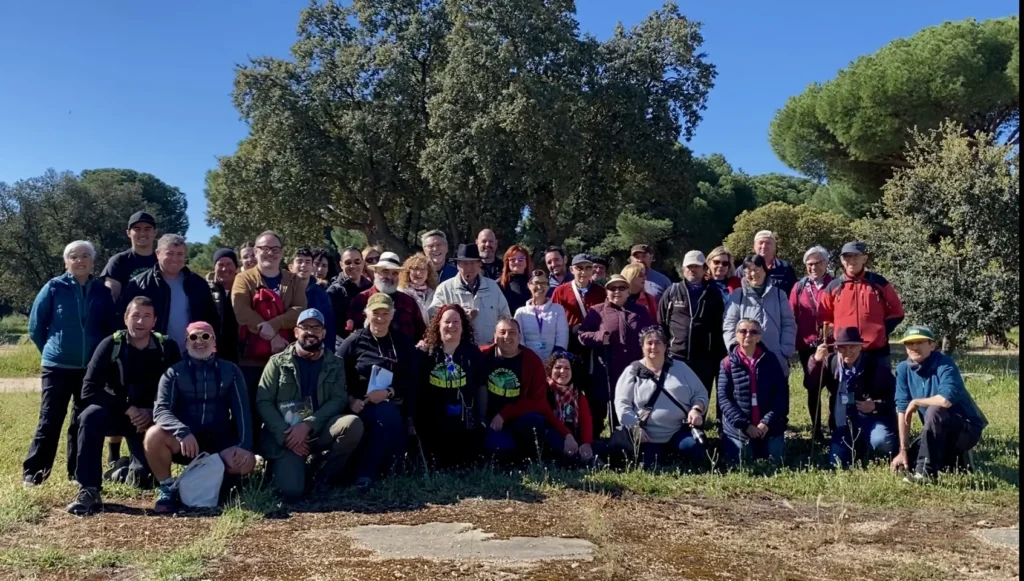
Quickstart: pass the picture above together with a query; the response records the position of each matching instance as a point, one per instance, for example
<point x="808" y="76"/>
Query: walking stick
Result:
<point x="816" y="423"/>
<point x="608" y="384"/>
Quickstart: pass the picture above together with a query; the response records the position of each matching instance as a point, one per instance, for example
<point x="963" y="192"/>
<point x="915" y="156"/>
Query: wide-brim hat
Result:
<point x="467" y="253"/>
<point x="849" y="336"/>
<point x="387" y="261"/>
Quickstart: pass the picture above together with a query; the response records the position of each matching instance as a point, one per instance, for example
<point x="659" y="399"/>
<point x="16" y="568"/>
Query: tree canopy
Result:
<point x="396" y="116"/>
<point x="796" y="228"/>
<point x="855" y="129"/>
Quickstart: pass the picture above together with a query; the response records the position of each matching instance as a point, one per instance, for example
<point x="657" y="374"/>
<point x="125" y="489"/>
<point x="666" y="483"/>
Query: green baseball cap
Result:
<point x="917" y="333"/>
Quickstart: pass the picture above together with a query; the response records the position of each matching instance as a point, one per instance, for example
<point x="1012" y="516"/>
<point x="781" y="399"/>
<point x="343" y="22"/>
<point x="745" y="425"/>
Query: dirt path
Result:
<point x="18" y="384"/>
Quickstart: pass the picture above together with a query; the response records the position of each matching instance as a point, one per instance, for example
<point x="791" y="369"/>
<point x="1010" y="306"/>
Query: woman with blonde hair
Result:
<point x="636" y="275"/>
<point x="419" y="280"/>
<point x="371" y="254"/>
<point x="722" y="271"/>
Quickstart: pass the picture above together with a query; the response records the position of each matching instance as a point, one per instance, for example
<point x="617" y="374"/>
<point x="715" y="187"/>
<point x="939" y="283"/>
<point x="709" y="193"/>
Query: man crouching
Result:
<point x="195" y="402"/>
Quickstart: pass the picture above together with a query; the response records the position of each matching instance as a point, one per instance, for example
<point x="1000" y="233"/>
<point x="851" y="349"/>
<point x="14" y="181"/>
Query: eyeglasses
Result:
<point x="269" y="249"/>
<point x="517" y="259"/>
<point x="584" y="267"/>
<point x="352" y="262"/>
<point x="751" y="332"/>
<point x="204" y="336"/>
<point x="311" y="328"/>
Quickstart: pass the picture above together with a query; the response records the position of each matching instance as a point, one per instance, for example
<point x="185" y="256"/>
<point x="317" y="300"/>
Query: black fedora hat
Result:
<point x="848" y="336"/>
<point x="467" y="252"/>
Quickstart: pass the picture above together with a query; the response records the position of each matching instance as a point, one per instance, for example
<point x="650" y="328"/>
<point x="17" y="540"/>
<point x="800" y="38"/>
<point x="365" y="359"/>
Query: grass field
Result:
<point x="38" y="539"/>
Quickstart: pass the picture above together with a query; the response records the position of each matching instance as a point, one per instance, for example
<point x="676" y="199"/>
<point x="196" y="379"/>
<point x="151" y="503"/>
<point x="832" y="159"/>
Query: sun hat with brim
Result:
<point x="379" y="301"/>
<point x="917" y="333"/>
<point x="387" y="261"/>
<point x="848" y="336"/>
<point x="617" y="279"/>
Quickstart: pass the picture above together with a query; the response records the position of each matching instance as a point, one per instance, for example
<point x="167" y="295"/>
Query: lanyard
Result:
<point x="540" y="320"/>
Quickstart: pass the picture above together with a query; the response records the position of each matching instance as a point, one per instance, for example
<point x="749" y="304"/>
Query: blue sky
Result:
<point x="146" y="85"/>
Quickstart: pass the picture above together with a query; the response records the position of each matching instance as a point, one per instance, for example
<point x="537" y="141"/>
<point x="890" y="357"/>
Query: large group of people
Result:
<point x="336" y="369"/>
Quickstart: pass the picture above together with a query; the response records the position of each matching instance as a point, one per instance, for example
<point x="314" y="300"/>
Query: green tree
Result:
<point x="855" y="128"/>
<point x="797" y="228"/>
<point x="776" y="187"/>
<point x="166" y="203"/>
<point x="39" y="216"/>
<point x="397" y="116"/>
<point x="951" y="239"/>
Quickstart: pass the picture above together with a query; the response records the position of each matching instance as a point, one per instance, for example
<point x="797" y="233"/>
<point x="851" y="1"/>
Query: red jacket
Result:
<point x="584" y="423"/>
<point x="533" y="397"/>
<point x="646" y="300"/>
<point x="867" y="302"/>
<point x="805" y="300"/>
<point x="565" y="296"/>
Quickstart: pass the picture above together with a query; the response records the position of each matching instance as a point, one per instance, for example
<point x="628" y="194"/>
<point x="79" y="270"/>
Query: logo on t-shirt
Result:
<point x="139" y="271"/>
<point x="448" y="376"/>
<point x="503" y="382"/>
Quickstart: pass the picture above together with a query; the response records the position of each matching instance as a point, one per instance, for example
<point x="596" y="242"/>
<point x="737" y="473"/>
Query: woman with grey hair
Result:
<point x="659" y="402"/>
<point x="72" y="313"/>
<point x="805" y="300"/>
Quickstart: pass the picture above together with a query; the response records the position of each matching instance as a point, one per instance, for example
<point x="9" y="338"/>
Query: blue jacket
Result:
<point x="316" y="298"/>
<point x="66" y="323"/>
<point x="937" y="375"/>
<point x="735" y="397"/>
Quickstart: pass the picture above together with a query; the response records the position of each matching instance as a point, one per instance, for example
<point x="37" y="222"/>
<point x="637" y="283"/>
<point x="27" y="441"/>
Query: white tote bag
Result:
<point x="199" y="485"/>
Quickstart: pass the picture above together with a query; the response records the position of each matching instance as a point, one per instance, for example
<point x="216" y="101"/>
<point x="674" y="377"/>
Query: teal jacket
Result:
<point x="937" y="375"/>
<point x="68" y="320"/>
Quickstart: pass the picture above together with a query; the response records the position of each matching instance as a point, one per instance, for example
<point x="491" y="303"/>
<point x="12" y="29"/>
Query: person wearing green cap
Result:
<point x="929" y="383"/>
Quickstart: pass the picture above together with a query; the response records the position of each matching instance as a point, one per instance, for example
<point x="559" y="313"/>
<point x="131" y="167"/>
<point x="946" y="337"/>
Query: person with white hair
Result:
<point x="805" y="300"/>
<point x="408" y="319"/>
<point x="780" y="272"/>
<point x="179" y="295"/>
<point x="381" y="375"/>
<point x="71" y="314"/>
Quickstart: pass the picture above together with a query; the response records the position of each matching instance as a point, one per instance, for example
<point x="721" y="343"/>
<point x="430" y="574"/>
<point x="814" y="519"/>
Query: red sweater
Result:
<point x="533" y="396"/>
<point x="584" y="423"/>
<point x="565" y="296"/>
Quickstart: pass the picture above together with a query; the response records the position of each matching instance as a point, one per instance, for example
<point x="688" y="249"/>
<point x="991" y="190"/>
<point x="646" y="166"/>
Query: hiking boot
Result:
<point x="165" y="501"/>
<point x="87" y="502"/>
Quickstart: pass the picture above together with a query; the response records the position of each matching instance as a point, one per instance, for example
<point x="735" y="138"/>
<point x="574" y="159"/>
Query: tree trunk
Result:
<point x="949" y="343"/>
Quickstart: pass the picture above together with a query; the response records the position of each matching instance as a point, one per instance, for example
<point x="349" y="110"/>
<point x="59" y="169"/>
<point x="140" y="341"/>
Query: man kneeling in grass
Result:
<point x="301" y="398"/>
<point x="929" y="383"/>
<point x="195" y="402"/>
<point x="117" y="399"/>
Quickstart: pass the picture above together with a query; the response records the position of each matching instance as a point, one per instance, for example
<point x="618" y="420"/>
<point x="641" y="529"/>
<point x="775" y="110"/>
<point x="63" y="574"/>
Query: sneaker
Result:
<point x="88" y="501"/>
<point x="165" y="501"/>
<point x="918" y="478"/>
<point x="30" y="481"/>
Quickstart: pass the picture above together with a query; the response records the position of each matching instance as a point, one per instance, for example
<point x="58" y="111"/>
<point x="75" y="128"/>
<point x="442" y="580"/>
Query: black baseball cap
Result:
<point x="141" y="217"/>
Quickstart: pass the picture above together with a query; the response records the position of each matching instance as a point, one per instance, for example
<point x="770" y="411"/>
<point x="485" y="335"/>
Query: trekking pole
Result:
<point x="608" y="384"/>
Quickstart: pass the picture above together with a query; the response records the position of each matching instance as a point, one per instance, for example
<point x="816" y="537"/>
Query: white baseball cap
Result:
<point x="694" y="258"/>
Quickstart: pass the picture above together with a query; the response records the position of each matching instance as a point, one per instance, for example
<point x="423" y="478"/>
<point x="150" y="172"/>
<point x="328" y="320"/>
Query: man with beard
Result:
<point x="117" y="398"/>
<point x="301" y="398"/>
<point x="487" y="243"/>
<point x="202" y="405"/>
<point x="346" y="286"/>
<point x="408" y="319"/>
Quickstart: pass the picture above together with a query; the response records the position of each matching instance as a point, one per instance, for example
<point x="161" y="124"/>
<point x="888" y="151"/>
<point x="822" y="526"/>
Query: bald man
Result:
<point x="487" y="244"/>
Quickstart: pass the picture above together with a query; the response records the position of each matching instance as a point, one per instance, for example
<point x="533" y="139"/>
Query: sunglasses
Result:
<point x="618" y="289"/>
<point x="751" y="332"/>
<point x="720" y="262"/>
<point x="204" y="336"/>
<point x="372" y="259"/>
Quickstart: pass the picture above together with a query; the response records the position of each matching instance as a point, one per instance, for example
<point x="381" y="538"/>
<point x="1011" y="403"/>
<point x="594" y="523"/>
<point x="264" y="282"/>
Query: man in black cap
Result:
<point x="124" y="266"/>
<point x="656" y="283"/>
<point x="225" y="267"/>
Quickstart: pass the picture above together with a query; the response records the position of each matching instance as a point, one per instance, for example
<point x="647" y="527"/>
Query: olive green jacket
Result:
<point x="280" y="383"/>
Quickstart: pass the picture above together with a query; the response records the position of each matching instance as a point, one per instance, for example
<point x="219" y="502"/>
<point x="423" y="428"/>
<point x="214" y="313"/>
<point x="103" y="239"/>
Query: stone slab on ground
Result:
<point x="464" y="542"/>
<point x="19" y="384"/>
<point x="1005" y="537"/>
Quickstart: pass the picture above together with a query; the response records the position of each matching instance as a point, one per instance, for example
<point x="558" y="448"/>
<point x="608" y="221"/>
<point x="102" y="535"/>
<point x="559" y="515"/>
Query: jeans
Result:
<point x="863" y="436"/>
<point x="681" y="445"/>
<point x="59" y="386"/>
<point x="94" y="425"/>
<point x="339" y="439"/>
<point x="945" y="437"/>
<point x="521" y="436"/>
<point x="384" y="439"/>
<point x="737" y="451"/>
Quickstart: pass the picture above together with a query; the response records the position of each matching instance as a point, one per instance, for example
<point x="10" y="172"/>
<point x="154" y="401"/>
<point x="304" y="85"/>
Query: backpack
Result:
<point x="119" y="338"/>
<point x="267" y="305"/>
<point x="199" y="485"/>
